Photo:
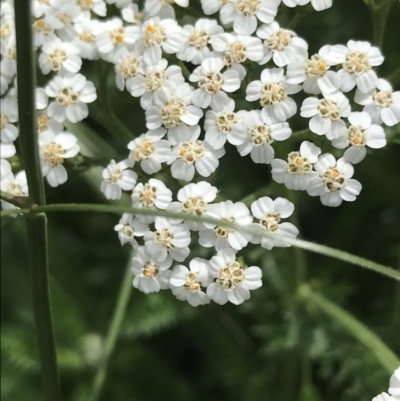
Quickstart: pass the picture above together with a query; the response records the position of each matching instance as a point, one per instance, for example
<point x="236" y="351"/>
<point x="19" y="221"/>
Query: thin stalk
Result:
<point x="36" y="223"/>
<point x="309" y="246"/>
<point x="113" y="332"/>
<point x="384" y="355"/>
<point x="37" y="252"/>
<point x="379" y="17"/>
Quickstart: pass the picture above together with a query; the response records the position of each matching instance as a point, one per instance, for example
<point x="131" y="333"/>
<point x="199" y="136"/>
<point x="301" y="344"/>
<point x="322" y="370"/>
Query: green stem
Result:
<point x="386" y="357"/>
<point x="36" y="223"/>
<point x="309" y="246"/>
<point x="37" y="253"/>
<point x="113" y="332"/>
<point x="394" y="77"/>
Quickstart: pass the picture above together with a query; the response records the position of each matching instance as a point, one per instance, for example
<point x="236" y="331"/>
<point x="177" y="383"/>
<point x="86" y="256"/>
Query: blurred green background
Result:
<point x="274" y="347"/>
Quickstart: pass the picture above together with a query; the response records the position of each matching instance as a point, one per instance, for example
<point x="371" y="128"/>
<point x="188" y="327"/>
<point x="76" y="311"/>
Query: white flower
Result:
<point x="383" y="397"/>
<point x="5" y="168"/>
<point x="53" y="150"/>
<point x="131" y="14"/>
<point x="262" y="128"/>
<point x="117" y="178"/>
<point x="128" y="66"/>
<point x="381" y="103"/>
<point x="186" y="284"/>
<point x="282" y="45"/>
<point x="273" y="91"/>
<point x="7" y="150"/>
<point x="130" y="227"/>
<point x="314" y="73"/>
<point x="44" y="29"/>
<point x="297" y="171"/>
<point x="172" y="108"/>
<point x="213" y="84"/>
<point x="193" y="199"/>
<point x="150" y="150"/>
<point x="5" y="81"/>
<point x="85" y="41"/>
<point x="212" y="6"/>
<point x="196" y="40"/>
<point x="59" y="56"/>
<point x="360" y="133"/>
<point x="224" y="125"/>
<point x="150" y="275"/>
<point x="158" y="35"/>
<point x="244" y="14"/>
<point x="334" y="183"/>
<point x="8" y="116"/>
<point x="225" y="237"/>
<point x="67" y="14"/>
<point x="318" y="5"/>
<point x="157" y="76"/>
<point x="114" y="38"/>
<point x="71" y="94"/>
<point x="96" y="6"/>
<point x="190" y="154"/>
<point x="168" y="239"/>
<point x="233" y="283"/>
<point x="357" y="60"/>
<point x="152" y="195"/>
<point x="8" y="64"/>
<point x="269" y="214"/>
<point x="41" y="7"/>
<point x="394" y="386"/>
<point x="45" y="123"/>
<point x="237" y="48"/>
<point x="163" y="8"/>
<point x="326" y="114"/>
<point x="14" y="186"/>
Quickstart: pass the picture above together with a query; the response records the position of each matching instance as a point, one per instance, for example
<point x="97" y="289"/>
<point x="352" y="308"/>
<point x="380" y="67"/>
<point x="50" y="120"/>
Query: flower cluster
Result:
<point x="394" y="389"/>
<point x="184" y="78"/>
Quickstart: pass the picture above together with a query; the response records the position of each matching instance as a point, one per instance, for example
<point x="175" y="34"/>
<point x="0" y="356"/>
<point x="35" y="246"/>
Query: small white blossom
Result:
<point x="186" y="284"/>
<point x="168" y="240"/>
<point x="114" y="38"/>
<point x="85" y="41"/>
<point x="232" y="283"/>
<point x="150" y="150"/>
<point x="224" y="125"/>
<point x="130" y="227"/>
<point x="8" y="116"/>
<point x="163" y="8"/>
<point x="326" y="114"/>
<point x="360" y="134"/>
<point x="357" y="60"/>
<point x="96" y="6"/>
<point x="71" y="94"/>
<point x="117" y="178"/>
<point x="14" y="186"/>
<point x="67" y="14"/>
<point x="334" y="183"/>
<point x="244" y="14"/>
<point x="213" y="84"/>
<point x="156" y="76"/>
<point x="158" y="35"/>
<point x="236" y="49"/>
<point x="262" y="128"/>
<point x="7" y="150"/>
<point x="220" y="236"/>
<point x="132" y="14"/>
<point x="314" y="73"/>
<point x="172" y="108"/>
<point x="193" y="199"/>
<point x="383" y="397"/>
<point x="190" y="154"/>
<point x="382" y="104"/>
<point x="282" y="45"/>
<point x="196" y="40"/>
<point x="272" y="91"/>
<point x="152" y="195"/>
<point x="297" y="171"/>
<point x="59" y="56"/>
<point x="318" y="5"/>
<point x="127" y="67"/>
<point x="53" y="150"/>
<point x="44" y="29"/>
<point x="394" y="385"/>
<point x="269" y="213"/>
<point x="151" y="275"/>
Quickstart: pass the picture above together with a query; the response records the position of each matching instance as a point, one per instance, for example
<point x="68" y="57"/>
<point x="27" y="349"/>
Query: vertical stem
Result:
<point x="36" y="224"/>
<point x="379" y="17"/>
<point x="37" y="252"/>
<point x="113" y="331"/>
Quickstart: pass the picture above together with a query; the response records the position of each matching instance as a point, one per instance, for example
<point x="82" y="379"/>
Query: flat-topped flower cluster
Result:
<point x="184" y="77"/>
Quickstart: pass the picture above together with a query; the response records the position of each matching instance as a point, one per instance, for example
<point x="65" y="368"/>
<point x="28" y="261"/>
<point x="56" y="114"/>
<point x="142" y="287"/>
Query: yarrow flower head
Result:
<point x="117" y="178"/>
